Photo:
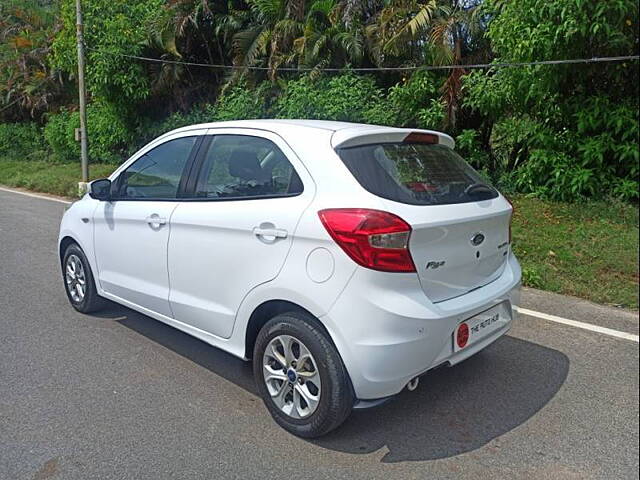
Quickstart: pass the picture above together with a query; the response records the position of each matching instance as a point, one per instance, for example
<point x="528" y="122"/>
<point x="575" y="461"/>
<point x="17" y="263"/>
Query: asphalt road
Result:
<point x="119" y="395"/>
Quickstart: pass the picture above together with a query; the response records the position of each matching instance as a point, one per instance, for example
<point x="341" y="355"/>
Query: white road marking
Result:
<point x="34" y="195"/>
<point x="584" y="326"/>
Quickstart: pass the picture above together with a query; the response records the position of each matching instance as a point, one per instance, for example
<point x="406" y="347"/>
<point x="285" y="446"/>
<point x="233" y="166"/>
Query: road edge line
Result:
<point x="34" y="195"/>
<point x="585" y="326"/>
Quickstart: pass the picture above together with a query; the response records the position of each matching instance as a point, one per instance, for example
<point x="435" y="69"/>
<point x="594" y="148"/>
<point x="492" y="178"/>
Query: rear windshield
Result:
<point x="416" y="173"/>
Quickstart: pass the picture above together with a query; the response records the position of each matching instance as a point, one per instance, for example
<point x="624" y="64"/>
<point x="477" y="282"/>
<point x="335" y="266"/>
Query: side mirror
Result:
<point x="100" y="190"/>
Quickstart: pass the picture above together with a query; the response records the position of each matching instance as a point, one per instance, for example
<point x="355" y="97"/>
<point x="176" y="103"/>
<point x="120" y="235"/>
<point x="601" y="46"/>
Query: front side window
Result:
<point x="416" y="173"/>
<point x="156" y="174"/>
<point x="242" y="166"/>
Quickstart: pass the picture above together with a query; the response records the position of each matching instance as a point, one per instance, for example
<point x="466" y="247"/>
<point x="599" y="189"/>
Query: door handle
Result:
<point x="270" y="232"/>
<point x="155" y="220"/>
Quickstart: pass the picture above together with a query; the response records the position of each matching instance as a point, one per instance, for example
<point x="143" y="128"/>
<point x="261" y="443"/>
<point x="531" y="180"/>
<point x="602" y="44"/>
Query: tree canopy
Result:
<point x="562" y="131"/>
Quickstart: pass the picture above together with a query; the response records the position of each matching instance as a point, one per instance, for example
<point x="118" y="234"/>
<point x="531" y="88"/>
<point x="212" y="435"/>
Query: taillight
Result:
<point x="513" y="211"/>
<point x="372" y="238"/>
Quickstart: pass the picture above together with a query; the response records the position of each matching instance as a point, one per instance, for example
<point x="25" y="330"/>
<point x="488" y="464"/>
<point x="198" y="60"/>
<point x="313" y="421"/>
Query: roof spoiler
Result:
<point x="352" y="137"/>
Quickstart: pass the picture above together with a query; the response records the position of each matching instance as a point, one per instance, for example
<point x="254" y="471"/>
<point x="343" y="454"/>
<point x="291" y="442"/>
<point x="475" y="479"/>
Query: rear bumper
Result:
<point x="388" y="332"/>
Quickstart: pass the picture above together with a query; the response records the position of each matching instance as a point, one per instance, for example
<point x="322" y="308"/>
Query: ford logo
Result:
<point x="477" y="239"/>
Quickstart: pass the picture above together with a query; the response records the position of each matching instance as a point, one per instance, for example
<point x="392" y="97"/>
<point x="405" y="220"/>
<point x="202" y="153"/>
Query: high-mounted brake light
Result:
<point x="372" y="238"/>
<point x="419" y="137"/>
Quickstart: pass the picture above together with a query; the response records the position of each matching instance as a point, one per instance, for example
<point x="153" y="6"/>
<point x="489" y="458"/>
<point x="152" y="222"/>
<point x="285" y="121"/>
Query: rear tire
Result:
<point x="78" y="281"/>
<point x="309" y="392"/>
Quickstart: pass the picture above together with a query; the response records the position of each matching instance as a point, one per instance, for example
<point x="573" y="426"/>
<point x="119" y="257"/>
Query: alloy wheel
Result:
<point x="292" y="377"/>
<point x="75" y="278"/>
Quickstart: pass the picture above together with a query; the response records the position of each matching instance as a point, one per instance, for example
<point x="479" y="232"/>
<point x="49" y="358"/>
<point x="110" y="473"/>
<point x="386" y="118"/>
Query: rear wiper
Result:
<point x="478" y="188"/>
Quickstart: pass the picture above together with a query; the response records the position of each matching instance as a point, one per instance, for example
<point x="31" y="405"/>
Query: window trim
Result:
<point x="196" y="170"/>
<point x="184" y="176"/>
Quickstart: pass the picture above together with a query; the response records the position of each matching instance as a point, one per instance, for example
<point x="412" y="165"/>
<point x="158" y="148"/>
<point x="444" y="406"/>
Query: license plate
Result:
<point x="478" y="327"/>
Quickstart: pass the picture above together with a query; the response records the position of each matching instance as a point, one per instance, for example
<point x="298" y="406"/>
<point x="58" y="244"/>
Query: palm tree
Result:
<point x="27" y="84"/>
<point x="398" y="31"/>
<point x="198" y="31"/>
<point x="438" y="30"/>
<point x="270" y="35"/>
<point x="454" y="29"/>
<point x="328" y="39"/>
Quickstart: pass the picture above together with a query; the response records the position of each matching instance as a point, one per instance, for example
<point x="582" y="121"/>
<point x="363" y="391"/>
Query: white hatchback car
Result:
<point x="346" y="260"/>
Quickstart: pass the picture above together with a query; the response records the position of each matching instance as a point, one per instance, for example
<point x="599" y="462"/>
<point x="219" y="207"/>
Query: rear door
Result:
<point x="235" y="232"/>
<point x="460" y="224"/>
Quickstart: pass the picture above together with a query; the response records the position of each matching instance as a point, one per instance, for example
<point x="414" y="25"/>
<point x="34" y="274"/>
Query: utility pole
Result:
<point x="82" y="93"/>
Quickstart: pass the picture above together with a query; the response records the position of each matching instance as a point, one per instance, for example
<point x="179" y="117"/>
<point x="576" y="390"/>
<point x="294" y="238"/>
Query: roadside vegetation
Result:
<point x="561" y="139"/>
<point x="54" y="178"/>
<point x="587" y="249"/>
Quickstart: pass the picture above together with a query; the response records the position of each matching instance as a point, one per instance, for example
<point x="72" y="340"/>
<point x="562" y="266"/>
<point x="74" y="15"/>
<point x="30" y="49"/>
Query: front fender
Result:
<point x="77" y="225"/>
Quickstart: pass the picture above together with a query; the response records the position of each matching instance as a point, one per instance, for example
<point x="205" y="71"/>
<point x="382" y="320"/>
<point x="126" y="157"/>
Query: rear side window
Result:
<point x="242" y="166"/>
<point x="416" y="173"/>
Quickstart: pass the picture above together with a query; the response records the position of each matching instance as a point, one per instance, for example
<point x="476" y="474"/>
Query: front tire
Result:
<point x="78" y="281"/>
<point x="300" y="376"/>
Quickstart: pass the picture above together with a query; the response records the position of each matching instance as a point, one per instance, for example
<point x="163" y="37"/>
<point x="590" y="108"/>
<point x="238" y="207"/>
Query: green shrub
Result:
<point x="564" y="132"/>
<point x="108" y="131"/>
<point x="469" y="147"/>
<point x="357" y="98"/>
<point x="111" y="28"/>
<point x="59" y="134"/>
<point x="416" y="102"/>
<point x="345" y="97"/>
<point x="239" y="102"/>
<point x="594" y="155"/>
<point x="149" y="129"/>
<point x="591" y="150"/>
<point x="22" y="141"/>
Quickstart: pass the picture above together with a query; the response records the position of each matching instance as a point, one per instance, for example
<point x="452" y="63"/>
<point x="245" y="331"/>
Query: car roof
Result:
<point x="278" y="124"/>
<point x="283" y="127"/>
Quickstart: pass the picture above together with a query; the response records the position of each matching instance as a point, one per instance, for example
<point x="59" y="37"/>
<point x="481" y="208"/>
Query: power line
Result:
<point x="378" y="69"/>
<point x="366" y="69"/>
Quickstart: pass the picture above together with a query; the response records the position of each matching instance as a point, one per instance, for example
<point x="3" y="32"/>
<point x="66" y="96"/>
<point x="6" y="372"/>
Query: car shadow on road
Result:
<point x="459" y="409"/>
<point x="453" y="411"/>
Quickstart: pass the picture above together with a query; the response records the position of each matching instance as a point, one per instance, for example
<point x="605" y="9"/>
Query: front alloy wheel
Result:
<point x="75" y="278"/>
<point x="78" y="280"/>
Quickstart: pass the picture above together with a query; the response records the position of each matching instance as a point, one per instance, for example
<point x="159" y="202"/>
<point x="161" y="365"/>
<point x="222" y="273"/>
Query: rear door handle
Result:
<point x="156" y="220"/>
<point x="270" y="232"/>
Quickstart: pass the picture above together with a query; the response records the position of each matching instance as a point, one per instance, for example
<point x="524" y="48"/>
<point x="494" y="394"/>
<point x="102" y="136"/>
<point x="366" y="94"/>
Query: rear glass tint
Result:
<point x="416" y="173"/>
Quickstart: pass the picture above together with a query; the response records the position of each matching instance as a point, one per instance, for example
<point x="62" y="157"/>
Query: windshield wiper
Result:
<point x="478" y="188"/>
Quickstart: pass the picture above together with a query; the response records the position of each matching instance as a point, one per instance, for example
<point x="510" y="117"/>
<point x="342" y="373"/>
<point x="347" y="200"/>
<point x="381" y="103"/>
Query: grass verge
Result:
<point x="587" y="249"/>
<point x="54" y="178"/>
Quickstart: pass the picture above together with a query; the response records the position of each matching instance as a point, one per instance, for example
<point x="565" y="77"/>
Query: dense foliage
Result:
<point x="565" y="130"/>
<point x="557" y="131"/>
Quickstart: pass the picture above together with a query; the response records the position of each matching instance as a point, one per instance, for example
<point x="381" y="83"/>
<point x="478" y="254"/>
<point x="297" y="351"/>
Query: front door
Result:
<point x="132" y="231"/>
<point x="237" y="230"/>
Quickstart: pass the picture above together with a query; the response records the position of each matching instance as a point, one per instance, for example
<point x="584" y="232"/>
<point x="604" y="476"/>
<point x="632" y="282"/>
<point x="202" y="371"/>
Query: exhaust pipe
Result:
<point x="413" y="384"/>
